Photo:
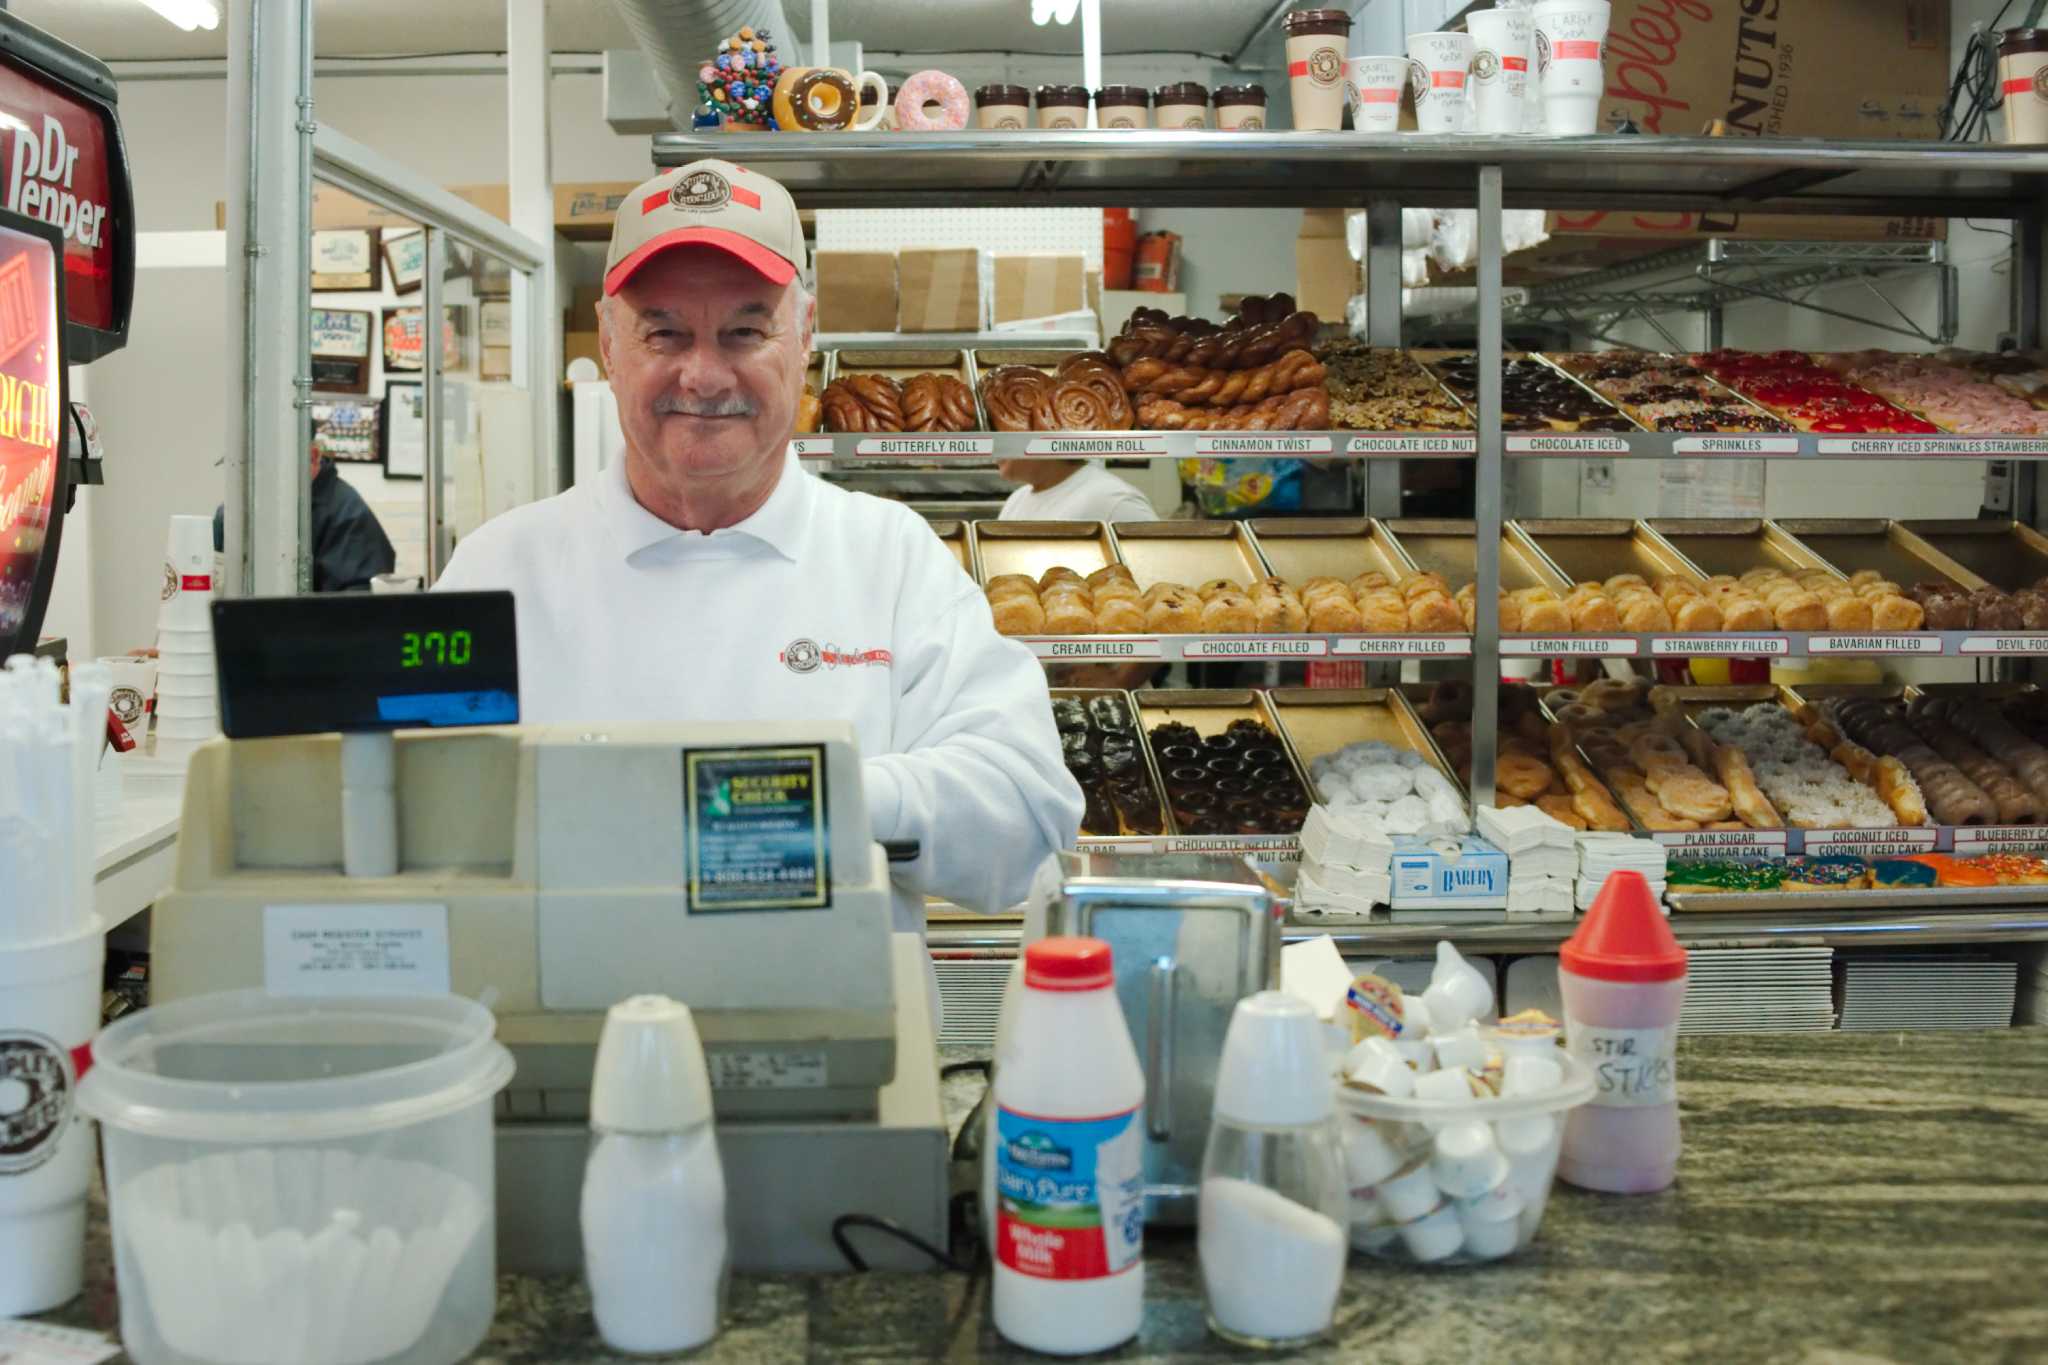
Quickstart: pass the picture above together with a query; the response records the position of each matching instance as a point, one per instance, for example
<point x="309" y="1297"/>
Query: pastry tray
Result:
<point x="1430" y="359"/>
<point x="1570" y="362"/>
<point x="1032" y="547"/>
<point x="1443" y="395"/>
<point x="1322" y="720"/>
<point x="1931" y="899"/>
<point x="905" y="363"/>
<point x="1849" y="545"/>
<point x="1124" y="843"/>
<point x="1210" y="711"/>
<point x="1595" y="549"/>
<point x="1189" y="553"/>
<point x="1300" y="548"/>
<point x="1451" y="548"/>
<point x="955" y="535"/>
<point x="1041" y="359"/>
<point x="1735" y="546"/>
<point x="2004" y="554"/>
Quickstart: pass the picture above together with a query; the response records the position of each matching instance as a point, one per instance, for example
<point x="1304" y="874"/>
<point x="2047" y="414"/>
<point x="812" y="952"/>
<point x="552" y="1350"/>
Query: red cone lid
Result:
<point x="1624" y="937"/>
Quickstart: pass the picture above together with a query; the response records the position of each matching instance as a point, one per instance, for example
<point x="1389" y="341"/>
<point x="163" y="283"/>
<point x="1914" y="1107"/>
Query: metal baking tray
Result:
<point x="1961" y="899"/>
<point x="1210" y="711"/>
<point x="1852" y="544"/>
<point x="1151" y="768"/>
<point x="1451" y="548"/>
<point x="1576" y="363"/>
<point x="1595" y="549"/>
<point x="1735" y="545"/>
<point x="1300" y="548"/>
<point x="1431" y="359"/>
<point x="907" y="363"/>
<point x="1690" y="701"/>
<point x="1425" y="379"/>
<point x="1975" y="691"/>
<point x="1189" y="553"/>
<point x="1040" y="359"/>
<point x="2003" y="554"/>
<point x="1799" y="697"/>
<point x="1032" y="547"/>
<point x="1322" y="720"/>
<point x="955" y="535"/>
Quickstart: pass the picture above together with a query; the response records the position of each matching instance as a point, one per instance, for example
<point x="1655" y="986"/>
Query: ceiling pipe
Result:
<point x="679" y="36"/>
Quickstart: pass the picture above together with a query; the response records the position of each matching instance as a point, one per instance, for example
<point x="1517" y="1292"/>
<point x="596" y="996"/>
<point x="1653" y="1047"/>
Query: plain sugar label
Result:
<point x="1635" y="1068"/>
<point x="352" y="949"/>
<point x="1070" y="1201"/>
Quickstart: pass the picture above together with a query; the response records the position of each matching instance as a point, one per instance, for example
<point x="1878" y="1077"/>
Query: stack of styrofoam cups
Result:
<point x="187" y="705"/>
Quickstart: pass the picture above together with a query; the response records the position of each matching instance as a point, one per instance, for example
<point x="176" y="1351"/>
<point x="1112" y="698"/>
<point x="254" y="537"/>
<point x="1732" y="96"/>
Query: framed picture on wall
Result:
<point x="494" y="340"/>
<point x="341" y="349"/>
<point x="345" y="430"/>
<point x="405" y="256"/>
<point x="402" y="340"/>
<point x="347" y="259"/>
<point x="491" y="276"/>
<point x="405" y="431"/>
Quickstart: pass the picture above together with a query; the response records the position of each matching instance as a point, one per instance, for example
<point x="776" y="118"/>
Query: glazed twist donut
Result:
<point x="1010" y="393"/>
<point x="1302" y="410"/>
<point x="1224" y="388"/>
<point x="931" y="87"/>
<point x="1072" y="406"/>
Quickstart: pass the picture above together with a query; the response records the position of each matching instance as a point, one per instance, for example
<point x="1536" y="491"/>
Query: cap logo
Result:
<point x="701" y="190"/>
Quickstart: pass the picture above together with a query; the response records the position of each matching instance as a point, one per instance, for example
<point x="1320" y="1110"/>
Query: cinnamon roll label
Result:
<point x="1406" y="645"/>
<point x="925" y="445"/>
<point x="1736" y="445"/>
<point x="1736" y="646"/>
<point x="1873" y="644"/>
<point x="1566" y="646"/>
<point x="1095" y="445"/>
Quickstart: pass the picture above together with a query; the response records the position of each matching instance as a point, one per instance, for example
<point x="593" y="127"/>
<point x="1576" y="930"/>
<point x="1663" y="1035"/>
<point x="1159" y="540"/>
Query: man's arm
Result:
<point x="977" y="776"/>
<point x="351" y="549"/>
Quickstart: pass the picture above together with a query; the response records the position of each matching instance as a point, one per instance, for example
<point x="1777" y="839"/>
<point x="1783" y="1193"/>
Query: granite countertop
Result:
<point x="1842" y="1198"/>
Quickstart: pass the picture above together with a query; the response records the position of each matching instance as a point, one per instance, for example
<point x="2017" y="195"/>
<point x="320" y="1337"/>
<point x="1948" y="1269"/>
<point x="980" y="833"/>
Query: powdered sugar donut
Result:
<point x="931" y="87"/>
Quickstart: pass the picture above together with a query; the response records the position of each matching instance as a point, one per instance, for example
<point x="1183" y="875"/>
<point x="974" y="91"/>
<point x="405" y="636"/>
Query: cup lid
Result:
<point x="1624" y="937"/>
<point x="1123" y="94"/>
<point x="1335" y="21"/>
<point x="1240" y="94"/>
<point x="2023" y="40"/>
<point x="1063" y="95"/>
<point x="1002" y="94"/>
<point x="650" y="1075"/>
<point x="1185" y="92"/>
<point x="1272" y="1072"/>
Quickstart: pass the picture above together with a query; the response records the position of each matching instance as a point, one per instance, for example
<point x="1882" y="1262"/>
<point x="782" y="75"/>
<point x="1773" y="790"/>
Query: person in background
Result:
<point x="349" y="544"/>
<point x="1069" y="490"/>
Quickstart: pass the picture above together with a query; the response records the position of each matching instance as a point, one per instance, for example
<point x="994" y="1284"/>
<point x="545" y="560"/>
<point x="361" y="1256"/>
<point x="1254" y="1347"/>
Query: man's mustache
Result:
<point x="729" y="406"/>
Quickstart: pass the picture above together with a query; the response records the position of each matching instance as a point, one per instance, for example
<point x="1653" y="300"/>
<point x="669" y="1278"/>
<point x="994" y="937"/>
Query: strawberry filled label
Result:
<point x="1070" y="1199"/>
<point x="1737" y="646"/>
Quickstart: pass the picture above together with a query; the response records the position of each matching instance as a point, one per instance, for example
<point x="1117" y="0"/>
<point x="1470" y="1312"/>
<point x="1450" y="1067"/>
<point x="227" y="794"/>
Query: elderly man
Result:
<point x="706" y="577"/>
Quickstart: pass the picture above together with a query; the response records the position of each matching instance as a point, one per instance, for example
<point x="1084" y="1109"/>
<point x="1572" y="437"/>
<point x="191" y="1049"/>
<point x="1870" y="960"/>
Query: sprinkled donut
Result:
<point x="931" y="87"/>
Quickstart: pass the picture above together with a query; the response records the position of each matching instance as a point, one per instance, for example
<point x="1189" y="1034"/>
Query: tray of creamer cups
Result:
<point x="1451" y="1126"/>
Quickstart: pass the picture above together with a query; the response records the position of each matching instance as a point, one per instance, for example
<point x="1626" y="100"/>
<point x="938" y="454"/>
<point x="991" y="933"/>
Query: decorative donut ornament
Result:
<point x="931" y="87"/>
<point x="816" y="99"/>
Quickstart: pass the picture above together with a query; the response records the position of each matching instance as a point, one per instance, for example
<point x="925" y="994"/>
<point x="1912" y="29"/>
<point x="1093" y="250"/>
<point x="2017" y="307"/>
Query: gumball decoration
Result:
<point x="738" y="83"/>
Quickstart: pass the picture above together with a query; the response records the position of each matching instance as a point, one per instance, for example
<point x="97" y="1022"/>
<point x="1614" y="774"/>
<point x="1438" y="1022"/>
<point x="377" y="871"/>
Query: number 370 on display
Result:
<point x="432" y="648"/>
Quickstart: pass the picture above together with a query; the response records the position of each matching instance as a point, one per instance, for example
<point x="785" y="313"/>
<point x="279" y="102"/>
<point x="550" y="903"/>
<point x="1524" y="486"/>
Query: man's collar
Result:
<point x="779" y="523"/>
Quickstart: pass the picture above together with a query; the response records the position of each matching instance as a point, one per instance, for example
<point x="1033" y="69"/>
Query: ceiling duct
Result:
<point x="677" y="36"/>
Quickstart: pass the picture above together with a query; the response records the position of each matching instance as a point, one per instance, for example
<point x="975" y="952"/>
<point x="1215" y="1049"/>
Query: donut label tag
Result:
<point x="2001" y="839"/>
<point x="811" y="447"/>
<point x="1567" y="445"/>
<point x="1733" y="646"/>
<point x="1459" y="646"/>
<point x="1412" y="445"/>
<point x="1116" y="847"/>
<point x="1283" y="848"/>
<point x="2004" y="644"/>
<point x="1094" y="647"/>
<point x="1256" y="647"/>
<point x="1981" y="446"/>
<point x="1095" y="445"/>
<point x="1754" y="843"/>
<point x="1868" y="843"/>
<point x="925" y="445"/>
<point x="1567" y="646"/>
<point x="1735" y="445"/>
<point x="1262" y="445"/>
<point x="1873" y="644"/>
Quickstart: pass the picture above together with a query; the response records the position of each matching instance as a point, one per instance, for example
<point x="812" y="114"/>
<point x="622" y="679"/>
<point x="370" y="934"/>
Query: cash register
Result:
<point x="377" y="820"/>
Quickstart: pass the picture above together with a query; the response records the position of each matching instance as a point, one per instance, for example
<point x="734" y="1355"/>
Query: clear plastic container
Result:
<point x="304" y="1180"/>
<point x="1425" y="1185"/>
<point x="1272" y="1232"/>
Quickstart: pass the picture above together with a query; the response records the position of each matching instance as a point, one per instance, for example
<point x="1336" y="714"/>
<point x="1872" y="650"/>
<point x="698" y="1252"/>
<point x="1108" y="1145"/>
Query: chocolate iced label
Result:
<point x="36" y="1086"/>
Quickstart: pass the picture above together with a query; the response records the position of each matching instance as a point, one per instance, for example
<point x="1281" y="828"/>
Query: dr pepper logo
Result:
<point x="35" y="1099"/>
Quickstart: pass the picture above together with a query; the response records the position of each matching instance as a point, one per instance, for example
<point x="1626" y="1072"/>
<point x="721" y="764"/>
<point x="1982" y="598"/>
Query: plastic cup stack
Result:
<point x="188" y="700"/>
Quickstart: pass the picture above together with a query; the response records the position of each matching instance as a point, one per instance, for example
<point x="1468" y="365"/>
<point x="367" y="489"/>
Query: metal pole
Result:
<point x="269" y="91"/>
<point x="536" y="339"/>
<point x="821" y="32"/>
<point x="430" y="405"/>
<point x="1487" y="495"/>
<point x="1383" y="328"/>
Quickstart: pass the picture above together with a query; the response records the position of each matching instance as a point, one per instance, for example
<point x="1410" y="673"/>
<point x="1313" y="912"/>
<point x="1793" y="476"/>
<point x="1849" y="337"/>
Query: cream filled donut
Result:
<point x="926" y="88"/>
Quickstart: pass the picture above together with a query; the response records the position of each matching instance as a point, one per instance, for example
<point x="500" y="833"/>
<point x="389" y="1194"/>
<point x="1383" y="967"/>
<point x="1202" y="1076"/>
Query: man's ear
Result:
<point x="604" y="335"/>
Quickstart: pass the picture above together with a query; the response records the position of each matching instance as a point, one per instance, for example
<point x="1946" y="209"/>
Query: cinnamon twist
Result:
<point x="1010" y="392"/>
<point x="1302" y="410"/>
<point x="1223" y="388"/>
<point x="1242" y="345"/>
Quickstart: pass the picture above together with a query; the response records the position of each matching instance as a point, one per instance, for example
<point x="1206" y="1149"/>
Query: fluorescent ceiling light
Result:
<point x="1042" y="11"/>
<point x="188" y="14"/>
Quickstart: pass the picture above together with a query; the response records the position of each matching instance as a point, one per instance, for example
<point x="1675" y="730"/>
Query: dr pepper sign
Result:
<point x="55" y="159"/>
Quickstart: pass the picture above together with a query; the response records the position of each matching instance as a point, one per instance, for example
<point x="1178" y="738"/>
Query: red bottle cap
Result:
<point x="1068" y="964"/>
<point x="1624" y="937"/>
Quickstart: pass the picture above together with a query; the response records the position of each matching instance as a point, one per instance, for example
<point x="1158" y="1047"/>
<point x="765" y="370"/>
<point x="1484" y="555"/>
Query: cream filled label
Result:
<point x="1069" y="1195"/>
<point x="1635" y="1068"/>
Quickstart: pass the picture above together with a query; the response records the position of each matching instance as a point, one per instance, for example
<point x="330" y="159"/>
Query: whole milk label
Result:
<point x="1635" y="1068"/>
<point x="1070" y="1199"/>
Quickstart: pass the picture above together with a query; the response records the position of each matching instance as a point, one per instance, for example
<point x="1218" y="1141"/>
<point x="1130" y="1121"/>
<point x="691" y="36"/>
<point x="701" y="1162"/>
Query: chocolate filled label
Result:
<point x="1256" y="647"/>
<point x="1633" y="1068"/>
<point x="1070" y="1201"/>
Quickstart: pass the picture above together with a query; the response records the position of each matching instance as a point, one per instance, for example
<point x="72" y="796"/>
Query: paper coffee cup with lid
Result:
<point x="1316" y="40"/>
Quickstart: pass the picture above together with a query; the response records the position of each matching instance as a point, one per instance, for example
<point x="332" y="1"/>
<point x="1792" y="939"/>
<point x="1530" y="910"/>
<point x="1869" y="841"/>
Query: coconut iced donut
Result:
<point x="931" y="87"/>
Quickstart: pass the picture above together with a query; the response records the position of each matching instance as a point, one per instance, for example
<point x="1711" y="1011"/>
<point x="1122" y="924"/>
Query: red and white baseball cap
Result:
<point x="708" y="203"/>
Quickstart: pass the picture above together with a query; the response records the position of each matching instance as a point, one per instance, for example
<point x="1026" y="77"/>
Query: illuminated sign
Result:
<point x="30" y="436"/>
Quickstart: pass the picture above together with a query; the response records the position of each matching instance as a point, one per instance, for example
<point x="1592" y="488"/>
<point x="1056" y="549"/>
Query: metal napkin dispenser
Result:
<point x="1191" y="937"/>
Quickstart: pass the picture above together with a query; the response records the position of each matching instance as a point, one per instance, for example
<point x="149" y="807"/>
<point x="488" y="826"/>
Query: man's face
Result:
<point x="707" y="361"/>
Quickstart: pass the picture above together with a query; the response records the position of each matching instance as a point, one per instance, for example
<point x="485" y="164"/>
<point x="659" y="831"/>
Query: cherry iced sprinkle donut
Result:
<point x="931" y="87"/>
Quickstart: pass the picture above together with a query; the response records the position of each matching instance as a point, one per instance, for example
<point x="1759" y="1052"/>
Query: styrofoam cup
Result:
<point x="187" y="727"/>
<point x="1372" y="87"/>
<point x="1488" y="1241"/>
<point x="1378" y="1062"/>
<point x="188" y="545"/>
<point x="1436" y="1236"/>
<point x="1460" y="1048"/>
<point x="1502" y="42"/>
<point x="1466" y="1162"/>
<point x="1368" y="1157"/>
<point x="1438" y="66"/>
<point x="1570" y="72"/>
<point x="1408" y="1195"/>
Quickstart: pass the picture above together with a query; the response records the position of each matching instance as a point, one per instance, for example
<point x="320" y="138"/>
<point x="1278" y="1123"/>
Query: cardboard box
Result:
<point x="1039" y="284"/>
<point x="585" y="211"/>
<point x="1325" y="276"/>
<point x="856" y="291"/>
<point x="939" y="290"/>
<point x="1475" y="878"/>
<point x="1820" y="68"/>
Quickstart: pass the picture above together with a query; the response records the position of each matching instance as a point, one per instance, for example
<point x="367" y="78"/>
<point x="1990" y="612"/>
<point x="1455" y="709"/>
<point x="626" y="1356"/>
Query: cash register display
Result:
<point x="357" y="661"/>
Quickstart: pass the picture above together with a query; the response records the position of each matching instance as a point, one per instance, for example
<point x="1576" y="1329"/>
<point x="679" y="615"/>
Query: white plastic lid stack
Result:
<point x="1273" y="1073"/>
<point x="650" y="1075"/>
